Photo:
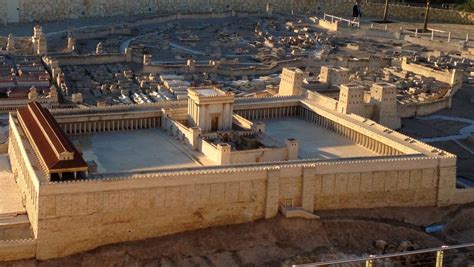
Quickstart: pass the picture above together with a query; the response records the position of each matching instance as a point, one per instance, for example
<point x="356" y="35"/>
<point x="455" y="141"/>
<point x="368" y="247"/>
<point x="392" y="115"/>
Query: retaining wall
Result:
<point x="52" y="10"/>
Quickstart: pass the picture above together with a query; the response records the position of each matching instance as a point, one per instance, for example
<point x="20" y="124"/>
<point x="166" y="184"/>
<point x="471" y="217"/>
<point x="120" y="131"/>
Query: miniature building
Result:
<point x="33" y="94"/>
<point x="147" y="59"/>
<point x="210" y="108"/>
<point x="269" y="9"/>
<point x="77" y="98"/>
<point x="384" y="98"/>
<point x="334" y="76"/>
<point x="99" y="50"/>
<point x="40" y="46"/>
<point x="10" y="43"/>
<point x="291" y="82"/>
<point x="57" y="155"/>
<point x="351" y="99"/>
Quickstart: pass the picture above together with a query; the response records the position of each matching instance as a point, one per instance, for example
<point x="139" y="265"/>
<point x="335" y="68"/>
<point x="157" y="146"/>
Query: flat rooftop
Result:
<point x="209" y="92"/>
<point x="315" y="142"/>
<point x="136" y="150"/>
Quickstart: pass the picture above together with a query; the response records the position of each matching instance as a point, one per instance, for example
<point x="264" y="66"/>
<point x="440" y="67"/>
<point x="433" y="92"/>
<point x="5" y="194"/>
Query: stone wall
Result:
<point x="17" y="249"/>
<point x="78" y="216"/>
<point x="411" y="110"/>
<point x="51" y="10"/>
<point x="26" y="171"/>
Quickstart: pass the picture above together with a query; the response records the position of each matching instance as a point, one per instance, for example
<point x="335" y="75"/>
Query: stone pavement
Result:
<point x="10" y="196"/>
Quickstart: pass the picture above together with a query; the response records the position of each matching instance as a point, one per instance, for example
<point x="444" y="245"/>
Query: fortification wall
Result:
<point x="91" y="59"/>
<point x="50" y="10"/>
<point x="462" y="196"/>
<point x="26" y="176"/>
<point x="77" y="216"/>
<point x="423" y="109"/>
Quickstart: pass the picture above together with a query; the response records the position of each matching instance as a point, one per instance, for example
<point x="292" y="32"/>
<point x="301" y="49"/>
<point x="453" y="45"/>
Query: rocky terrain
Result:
<point x="280" y="241"/>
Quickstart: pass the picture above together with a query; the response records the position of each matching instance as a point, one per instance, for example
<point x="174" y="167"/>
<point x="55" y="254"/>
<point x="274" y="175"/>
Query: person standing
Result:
<point x="356" y="12"/>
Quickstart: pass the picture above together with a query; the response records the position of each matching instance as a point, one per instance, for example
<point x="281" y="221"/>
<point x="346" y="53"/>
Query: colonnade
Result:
<point x="19" y="165"/>
<point x="85" y="127"/>
<point x="357" y="137"/>
<point x="268" y="113"/>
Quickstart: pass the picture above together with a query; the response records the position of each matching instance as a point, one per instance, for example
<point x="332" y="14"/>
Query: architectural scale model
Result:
<point x="169" y="123"/>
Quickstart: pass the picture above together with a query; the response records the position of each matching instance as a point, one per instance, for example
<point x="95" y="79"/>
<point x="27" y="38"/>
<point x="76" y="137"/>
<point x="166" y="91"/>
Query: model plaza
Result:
<point x="148" y="149"/>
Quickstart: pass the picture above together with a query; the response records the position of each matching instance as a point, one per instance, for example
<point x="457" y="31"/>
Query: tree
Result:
<point x="385" y="12"/>
<point x="427" y="13"/>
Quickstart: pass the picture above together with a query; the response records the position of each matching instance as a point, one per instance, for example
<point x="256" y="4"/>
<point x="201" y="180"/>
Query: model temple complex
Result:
<point x="187" y="120"/>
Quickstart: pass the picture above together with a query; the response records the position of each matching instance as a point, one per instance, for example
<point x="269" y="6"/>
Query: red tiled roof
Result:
<point x="57" y="152"/>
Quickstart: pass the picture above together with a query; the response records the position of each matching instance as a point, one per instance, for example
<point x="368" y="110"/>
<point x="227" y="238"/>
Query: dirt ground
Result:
<point x="338" y="234"/>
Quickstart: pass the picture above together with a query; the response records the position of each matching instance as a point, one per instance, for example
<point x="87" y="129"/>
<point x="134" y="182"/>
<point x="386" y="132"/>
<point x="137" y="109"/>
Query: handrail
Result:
<point x="337" y="19"/>
<point x="378" y="257"/>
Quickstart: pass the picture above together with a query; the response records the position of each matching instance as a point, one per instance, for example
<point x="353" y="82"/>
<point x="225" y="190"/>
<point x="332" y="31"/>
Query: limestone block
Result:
<point x="79" y="204"/>
<point x="328" y="184"/>
<point x="94" y="203"/>
<point x="379" y="181"/>
<point x="63" y="205"/>
<point x="354" y="183"/>
<point x="428" y="178"/>
<point x="217" y="193"/>
<point x="188" y="195"/>
<point x="318" y="183"/>
<point x="157" y="197"/>
<point x="366" y="182"/>
<point x="203" y="191"/>
<point x="391" y="179"/>
<point x="232" y="192"/>
<point x="245" y="191"/>
<point x="142" y="198"/>
<point x="172" y="196"/>
<point x="341" y="183"/>
<point x="415" y="179"/>
<point x="403" y="180"/>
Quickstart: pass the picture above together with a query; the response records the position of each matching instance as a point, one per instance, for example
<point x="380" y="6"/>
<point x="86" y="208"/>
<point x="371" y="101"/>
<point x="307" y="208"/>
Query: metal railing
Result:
<point x="339" y="19"/>
<point x="443" y="35"/>
<point x="455" y="255"/>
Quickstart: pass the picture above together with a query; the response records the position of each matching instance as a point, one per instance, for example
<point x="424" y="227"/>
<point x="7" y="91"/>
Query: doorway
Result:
<point x="215" y="124"/>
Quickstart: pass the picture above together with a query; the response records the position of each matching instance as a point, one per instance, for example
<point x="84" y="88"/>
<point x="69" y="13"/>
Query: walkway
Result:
<point x="10" y="196"/>
<point x="464" y="132"/>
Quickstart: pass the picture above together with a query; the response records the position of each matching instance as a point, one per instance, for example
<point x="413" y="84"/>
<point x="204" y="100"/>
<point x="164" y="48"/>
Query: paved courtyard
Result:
<point x="315" y="142"/>
<point x="134" y="151"/>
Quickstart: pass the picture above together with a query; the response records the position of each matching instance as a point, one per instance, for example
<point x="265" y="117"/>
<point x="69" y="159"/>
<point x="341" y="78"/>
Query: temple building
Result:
<point x="57" y="156"/>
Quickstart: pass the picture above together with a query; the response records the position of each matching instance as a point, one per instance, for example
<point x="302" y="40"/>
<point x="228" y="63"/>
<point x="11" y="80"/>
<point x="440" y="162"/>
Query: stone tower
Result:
<point x="71" y="42"/>
<point x="351" y="99"/>
<point x="334" y="76"/>
<point x="99" y="50"/>
<point x="40" y="45"/>
<point x="384" y="97"/>
<point x="291" y="82"/>
<point x="10" y="43"/>
<point x="146" y="59"/>
<point x="33" y="93"/>
<point x="210" y="108"/>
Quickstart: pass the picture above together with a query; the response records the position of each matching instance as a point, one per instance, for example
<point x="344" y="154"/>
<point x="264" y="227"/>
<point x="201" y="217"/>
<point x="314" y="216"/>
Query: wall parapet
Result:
<point x="395" y="161"/>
